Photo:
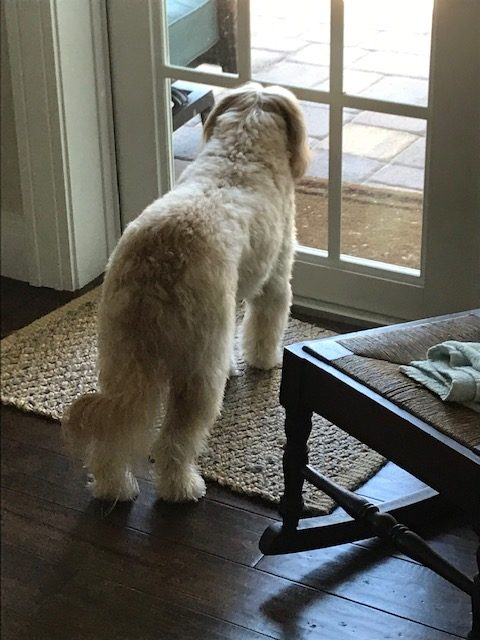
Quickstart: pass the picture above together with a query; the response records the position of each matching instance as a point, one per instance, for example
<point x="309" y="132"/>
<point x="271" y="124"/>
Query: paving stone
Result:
<point x="352" y="35"/>
<point x="351" y="54"/>
<point x="374" y="142"/>
<point x="281" y="26"/>
<point x="388" y="121"/>
<point x="394" y="175"/>
<point x="402" y="16"/>
<point x="357" y="169"/>
<point x="294" y="74"/>
<point x="394" y="63"/>
<point x="396" y="41"/>
<point x="269" y="40"/>
<point x="399" y="89"/>
<point x="317" y="119"/>
<point x="317" y="53"/>
<point x="413" y="156"/>
<point x="187" y="142"/>
<point x="317" y="32"/>
<point x="354" y="82"/>
<point x="179" y="167"/>
<point x="318" y="164"/>
<point x="262" y="58"/>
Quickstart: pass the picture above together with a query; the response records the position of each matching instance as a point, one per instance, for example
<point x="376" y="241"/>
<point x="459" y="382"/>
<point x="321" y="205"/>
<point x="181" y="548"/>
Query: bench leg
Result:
<point x="298" y="425"/>
<point x="475" y="632"/>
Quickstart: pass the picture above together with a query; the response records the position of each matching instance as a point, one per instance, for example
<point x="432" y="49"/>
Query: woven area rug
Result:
<point x="49" y="363"/>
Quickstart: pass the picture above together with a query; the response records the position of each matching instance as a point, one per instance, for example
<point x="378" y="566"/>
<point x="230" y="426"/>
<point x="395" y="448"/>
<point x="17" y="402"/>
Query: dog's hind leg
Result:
<point x="193" y="405"/>
<point x="266" y="317"/>
<point x="197" y="382"/>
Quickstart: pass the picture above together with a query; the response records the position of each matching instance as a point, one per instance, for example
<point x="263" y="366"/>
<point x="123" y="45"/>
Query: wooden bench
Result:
<point x="354" y="381"/>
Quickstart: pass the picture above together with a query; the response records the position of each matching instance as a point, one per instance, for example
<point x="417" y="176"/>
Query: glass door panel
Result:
<point x="383" y="168"/>
<point x="387" y="49"/>
<point x="312" y="190"/>
<point x="203" y="32"/>
<point x="378" y="131"/>
<point x="290" y="42"/>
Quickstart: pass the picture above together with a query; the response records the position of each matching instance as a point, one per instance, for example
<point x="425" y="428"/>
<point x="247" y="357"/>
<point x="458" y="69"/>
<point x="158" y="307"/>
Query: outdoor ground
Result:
<point x="386" y="56"/>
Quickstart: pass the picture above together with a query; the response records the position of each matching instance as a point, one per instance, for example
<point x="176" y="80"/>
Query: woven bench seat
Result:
<point x="375" y="361"/>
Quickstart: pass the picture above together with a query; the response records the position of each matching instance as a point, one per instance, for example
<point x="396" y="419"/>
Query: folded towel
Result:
<point x="452" y="371"/>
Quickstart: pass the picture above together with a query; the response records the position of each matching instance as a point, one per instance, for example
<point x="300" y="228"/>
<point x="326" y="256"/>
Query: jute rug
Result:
<point x="377" y="223"/>
<point x="49" y="363"/>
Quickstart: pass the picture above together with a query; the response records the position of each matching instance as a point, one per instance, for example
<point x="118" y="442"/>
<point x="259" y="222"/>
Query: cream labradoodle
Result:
<point x="166" y="320"/>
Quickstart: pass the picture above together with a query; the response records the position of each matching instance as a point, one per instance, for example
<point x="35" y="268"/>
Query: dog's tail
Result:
<point x="110" y="427"/>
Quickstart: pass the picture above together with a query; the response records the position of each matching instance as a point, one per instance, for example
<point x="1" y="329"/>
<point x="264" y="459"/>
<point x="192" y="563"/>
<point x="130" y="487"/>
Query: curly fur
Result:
<point x="166" y="319"/>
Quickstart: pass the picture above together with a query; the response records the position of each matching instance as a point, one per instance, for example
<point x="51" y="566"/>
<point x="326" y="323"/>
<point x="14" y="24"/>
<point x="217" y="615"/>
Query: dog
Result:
<point x="166" y="320"/>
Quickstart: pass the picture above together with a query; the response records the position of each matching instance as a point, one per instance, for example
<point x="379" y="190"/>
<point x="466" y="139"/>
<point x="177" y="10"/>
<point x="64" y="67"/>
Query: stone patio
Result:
<point x="386" y="56"/>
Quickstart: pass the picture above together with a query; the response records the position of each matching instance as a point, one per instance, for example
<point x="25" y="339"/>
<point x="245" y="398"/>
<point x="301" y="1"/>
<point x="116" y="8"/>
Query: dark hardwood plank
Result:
<point x="199" y="582"/>
<point x="390" y="483"/>
<point x="365" y="575"/>
<point x="21" y="303"/>
<point x="94" y="607"/>
<point x="57" y="479"/>
<point x="45" y="434"/>
<point x="28" y="579"/>
<point x="13" y="624"/>
<point x="457" y="543"/>
<point x="73" y="568"/>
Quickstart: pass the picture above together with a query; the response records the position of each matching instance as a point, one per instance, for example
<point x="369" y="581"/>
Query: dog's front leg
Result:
<point x="266" y="318"/>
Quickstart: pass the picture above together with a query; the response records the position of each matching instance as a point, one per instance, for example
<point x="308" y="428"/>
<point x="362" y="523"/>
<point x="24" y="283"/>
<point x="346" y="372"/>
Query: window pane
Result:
<point x="291" y="41"/>
<point x="187" y="120"/>
<point x="387" y="49"/>
<point x="203" y="32"/>
<point x="383" y="165"/>
<point x="312" y="191"/>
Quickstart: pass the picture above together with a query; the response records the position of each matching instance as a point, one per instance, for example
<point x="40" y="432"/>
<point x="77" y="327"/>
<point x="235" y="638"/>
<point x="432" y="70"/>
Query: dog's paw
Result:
<point x="125" y="489"/>
<point x="186" y="486"/>
<point x="263" y="361"/>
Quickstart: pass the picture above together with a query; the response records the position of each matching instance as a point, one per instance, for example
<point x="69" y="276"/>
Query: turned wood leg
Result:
<point x="475" y="632"/>
<point x="298" y="425"/>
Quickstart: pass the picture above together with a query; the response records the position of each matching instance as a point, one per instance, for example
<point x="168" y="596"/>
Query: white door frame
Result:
<point x="64" y="126"/>
<point x="61" y="86"/>
<point x="335" y="284"/>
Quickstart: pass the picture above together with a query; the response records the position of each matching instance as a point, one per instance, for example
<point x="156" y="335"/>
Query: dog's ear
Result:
<point x="286" y="104"/>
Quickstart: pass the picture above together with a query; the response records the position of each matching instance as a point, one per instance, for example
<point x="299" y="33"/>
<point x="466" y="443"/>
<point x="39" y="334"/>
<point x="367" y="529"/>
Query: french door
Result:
<point x="394" y="130"/>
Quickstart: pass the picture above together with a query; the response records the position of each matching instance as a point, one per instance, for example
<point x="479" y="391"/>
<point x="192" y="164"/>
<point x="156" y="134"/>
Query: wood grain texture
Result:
<point x="74" y="569"/>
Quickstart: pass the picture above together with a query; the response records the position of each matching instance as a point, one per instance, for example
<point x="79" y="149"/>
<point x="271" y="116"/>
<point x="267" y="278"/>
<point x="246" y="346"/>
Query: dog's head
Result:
<point x="276" y="100"/>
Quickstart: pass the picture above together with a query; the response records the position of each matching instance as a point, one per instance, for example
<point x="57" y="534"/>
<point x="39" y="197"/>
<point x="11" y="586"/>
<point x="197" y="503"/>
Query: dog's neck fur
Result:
<point x="248" y="146"/>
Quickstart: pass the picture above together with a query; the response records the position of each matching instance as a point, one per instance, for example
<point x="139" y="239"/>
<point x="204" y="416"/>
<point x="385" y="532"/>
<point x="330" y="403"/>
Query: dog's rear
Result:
<point x="165" y="323"/>
<point x="167" y="316"/>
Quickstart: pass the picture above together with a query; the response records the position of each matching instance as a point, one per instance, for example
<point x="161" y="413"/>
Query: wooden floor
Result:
<point x="73" y="568"/>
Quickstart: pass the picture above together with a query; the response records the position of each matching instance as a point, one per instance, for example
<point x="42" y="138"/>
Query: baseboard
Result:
<point x="14" y="261"/>
<point x="343" y="315"/>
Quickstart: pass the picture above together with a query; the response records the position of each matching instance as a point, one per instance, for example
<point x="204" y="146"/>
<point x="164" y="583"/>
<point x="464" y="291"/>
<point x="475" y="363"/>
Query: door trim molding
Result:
<point x="63" y="113"/>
